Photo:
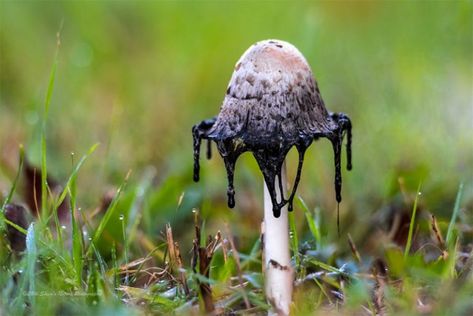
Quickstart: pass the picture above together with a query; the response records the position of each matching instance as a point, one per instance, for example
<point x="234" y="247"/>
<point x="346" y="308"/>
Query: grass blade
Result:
<point x="7" y="200"/>
<point x="125" y="246"/>
<point x="15" y="181"/>
<point x="44" y="170"/>
<point x="327" y="267"/>
<point x="31" y="253"/>
<point x="456" y="210"/>
<point x="108" y="214"/>
<point x="92" y="288"/>
<point x="135" y="213"/>
<point x="47" y="102"/>
<point x="73" y="176"/>
<point x="77" y="241"/>
<point x="311" y="221"/>
<point x="411" y="224"/>
<point x="294" y="238"/>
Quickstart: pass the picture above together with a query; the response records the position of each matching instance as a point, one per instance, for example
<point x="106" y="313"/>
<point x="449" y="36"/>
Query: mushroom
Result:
<point x="273" y="103"/>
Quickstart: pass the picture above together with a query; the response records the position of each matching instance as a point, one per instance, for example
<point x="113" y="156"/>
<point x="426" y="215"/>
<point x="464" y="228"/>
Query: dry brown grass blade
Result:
<point x="175" y="259"/>
<point x="205" y="289"/>
<point x="438" y="236"/>
<point x="437" y="232"/>
<point x="225" y="249"/>
<point x="170" y="243"/>
<point x="182" y="273"/>
<point x="379" y="271"/>
<point x="203" y="256"/>
<point x="134" y="263"/>
<point x="354" y="250"/>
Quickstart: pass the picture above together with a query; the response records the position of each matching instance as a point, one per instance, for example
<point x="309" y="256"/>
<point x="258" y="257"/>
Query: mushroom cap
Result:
<point x="272" y="97"/>
<point x="272" y="103"/>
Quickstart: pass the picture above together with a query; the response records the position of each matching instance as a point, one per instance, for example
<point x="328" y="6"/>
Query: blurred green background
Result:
<point x="136" y="76"/>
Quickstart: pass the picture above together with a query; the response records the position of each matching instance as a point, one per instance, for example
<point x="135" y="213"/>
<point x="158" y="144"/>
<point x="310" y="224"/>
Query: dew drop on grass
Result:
<point x="63" y="227"/>
<point x="20" y="271"/>
<point x="122" y="217"/>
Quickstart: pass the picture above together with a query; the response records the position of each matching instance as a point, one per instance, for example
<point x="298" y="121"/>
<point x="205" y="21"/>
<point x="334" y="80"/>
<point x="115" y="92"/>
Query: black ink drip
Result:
<point x="270" y="157"/>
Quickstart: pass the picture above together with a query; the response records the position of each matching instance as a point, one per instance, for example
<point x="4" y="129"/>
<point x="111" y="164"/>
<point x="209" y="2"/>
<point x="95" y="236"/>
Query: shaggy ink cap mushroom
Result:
<point x="272" y="103"/>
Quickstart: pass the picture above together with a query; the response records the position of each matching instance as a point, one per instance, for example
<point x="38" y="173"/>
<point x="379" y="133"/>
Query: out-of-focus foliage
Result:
<point x="136" y="76"/>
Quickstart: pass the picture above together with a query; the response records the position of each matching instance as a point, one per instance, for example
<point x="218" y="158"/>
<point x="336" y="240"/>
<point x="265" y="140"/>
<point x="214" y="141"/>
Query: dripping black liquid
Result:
<point x="270" y="156"/>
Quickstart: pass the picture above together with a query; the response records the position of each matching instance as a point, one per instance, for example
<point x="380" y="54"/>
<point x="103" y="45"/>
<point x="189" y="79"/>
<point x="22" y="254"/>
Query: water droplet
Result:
<point x="79" y="209"/>
<point x="122" y="217"/>
<point x="63" y="227"/>
<point x="90" y="238"/>
<point x="194" y="210"/>
<point x="84" y="233"/>
<point x="419" y="193"/>
<point x="20" y="271"/>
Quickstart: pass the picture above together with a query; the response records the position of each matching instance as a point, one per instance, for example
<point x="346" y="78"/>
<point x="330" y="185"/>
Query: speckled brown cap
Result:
<point x="272" y="103"/>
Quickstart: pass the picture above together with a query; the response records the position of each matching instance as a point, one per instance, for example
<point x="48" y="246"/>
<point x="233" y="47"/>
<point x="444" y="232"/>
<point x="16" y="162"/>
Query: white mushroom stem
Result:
<point x="278" y="272"/>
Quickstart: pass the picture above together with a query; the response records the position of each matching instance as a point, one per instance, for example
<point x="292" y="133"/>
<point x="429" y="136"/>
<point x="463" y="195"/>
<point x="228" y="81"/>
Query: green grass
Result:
<point x="136" y="77"/>
<point x="456" y="209"/>
<point x="412" y="222"/>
